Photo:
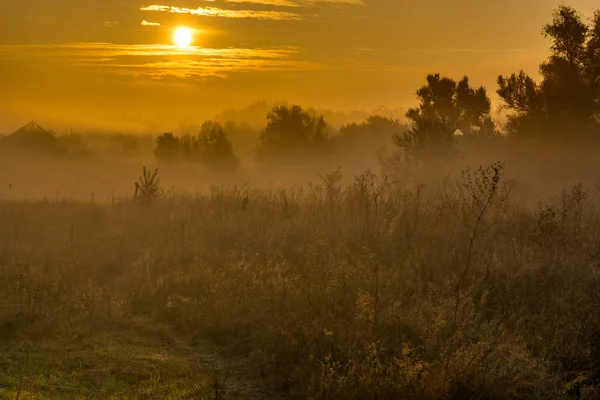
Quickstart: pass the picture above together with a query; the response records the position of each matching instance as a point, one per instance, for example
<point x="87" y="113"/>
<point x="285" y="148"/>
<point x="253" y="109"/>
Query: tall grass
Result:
<point x="362" y="291"/>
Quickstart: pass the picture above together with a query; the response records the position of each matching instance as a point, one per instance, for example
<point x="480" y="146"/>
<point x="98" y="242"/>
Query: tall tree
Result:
<point x="447" y="108"/>
<point x="214" y="148"/>
<point x="567" y="100"/>
<point x="290" y="130"/>
<point x="525" y="99"/>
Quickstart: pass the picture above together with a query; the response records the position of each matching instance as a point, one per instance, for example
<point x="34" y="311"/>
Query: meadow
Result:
<point x="350" y="287"/>
<point x="449" y="255"/>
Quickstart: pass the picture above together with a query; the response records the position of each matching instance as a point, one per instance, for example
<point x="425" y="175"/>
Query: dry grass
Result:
<point x="365" y="291"/>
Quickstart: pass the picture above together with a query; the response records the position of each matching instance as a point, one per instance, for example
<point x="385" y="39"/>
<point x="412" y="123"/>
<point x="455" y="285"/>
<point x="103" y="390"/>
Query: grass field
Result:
<point x="359" y="291"/>
<point x="101" y="362"/>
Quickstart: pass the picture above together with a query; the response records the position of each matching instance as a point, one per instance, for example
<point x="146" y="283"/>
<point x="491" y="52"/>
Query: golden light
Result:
<point x="183" y="37"/>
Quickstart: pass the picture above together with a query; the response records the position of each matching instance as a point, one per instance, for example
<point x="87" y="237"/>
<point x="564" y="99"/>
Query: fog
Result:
<point x="105" y="166"/>
<point x="449" y="250"/>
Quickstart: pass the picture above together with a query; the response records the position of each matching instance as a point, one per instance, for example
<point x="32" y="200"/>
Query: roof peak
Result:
<point x="32" y="127"/>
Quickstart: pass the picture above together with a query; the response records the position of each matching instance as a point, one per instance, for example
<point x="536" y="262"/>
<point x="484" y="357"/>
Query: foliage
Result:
<point x="210" y="148"/>
<point x="363" y="141"/>
<point x="446" y="108"/>
<point x="214" y="148"/>
<point x="147" y="188"/>
<point x="525" y="98"/>
<point x="352" y="290"/>
<point x="567" y="100"/>
<point x="362" y="290"/>
<point x="188" y="147"/>
<point x="291" y="131"/>
<point x="376" y="129"/>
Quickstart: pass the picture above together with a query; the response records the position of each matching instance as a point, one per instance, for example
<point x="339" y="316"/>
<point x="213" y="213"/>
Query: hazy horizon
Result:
<point x="114" y="65"/>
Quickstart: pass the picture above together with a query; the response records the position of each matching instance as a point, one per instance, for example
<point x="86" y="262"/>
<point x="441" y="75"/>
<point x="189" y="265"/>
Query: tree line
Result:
<point x="563" y="105"/>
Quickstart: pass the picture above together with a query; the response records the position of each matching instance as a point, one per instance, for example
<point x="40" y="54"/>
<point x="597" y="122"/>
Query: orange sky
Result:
<point x="112" y="63"/>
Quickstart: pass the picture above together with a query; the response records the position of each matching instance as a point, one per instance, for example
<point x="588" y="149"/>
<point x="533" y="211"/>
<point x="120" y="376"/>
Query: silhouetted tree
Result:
<point x="375" y="126"/>
<point x="168" y="147"/>
<point x="568" y="98"/>
<point x="368" y="138"/>
<point x="291" y="130"/>
<point x="214" y="148"/>
<point x="242" y="136"/>
<point x="446" y="108"/>
<point x="524" y="97"/>
<point x="188" y="147"/>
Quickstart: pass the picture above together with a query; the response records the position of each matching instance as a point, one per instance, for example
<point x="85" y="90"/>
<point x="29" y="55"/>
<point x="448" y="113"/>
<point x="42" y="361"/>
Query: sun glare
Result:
<point x="183" y="37"/>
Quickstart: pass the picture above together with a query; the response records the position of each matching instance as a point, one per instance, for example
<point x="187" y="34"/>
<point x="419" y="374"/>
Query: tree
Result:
<point x="167" y="147"/>
<point x="375" y="126"/>
<point x="568" y="97"/>
<point x="525" y="98"/>
<point x="214" y="148"/>
<point x="368" y="138"/>
<point x="446" y="109"/>
<point x="242" y="136"/>
<point x="290" y="131"/>
<point x="188" y="147"/>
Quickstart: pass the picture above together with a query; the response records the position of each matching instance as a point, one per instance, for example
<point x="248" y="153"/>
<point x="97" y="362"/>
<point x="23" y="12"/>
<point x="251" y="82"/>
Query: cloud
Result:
<point x="148" y="23"/>
<point x="219" y="12"/>
<point x="297" y="3"/>
<point x="158" y="61"/>
<point x="278" y="3"/>
<point x="475" y="50"/>
<point x="111" y="24"/>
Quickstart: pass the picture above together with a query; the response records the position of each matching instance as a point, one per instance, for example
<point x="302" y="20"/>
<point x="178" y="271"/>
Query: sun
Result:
<point x="183" y="37"/>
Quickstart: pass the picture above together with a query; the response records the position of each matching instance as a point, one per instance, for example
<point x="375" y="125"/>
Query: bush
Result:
<point x="363" y="291"/>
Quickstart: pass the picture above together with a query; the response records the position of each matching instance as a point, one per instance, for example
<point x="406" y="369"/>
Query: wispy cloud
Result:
<point x="219" y="12"/>
<point x="111" y="24"/>
<point x="474" y="50"/>
<point x="160" y="61"/>
<point x="278" y="3"/>
<point x="297" y="3"/>
<point x="148" y="23"/>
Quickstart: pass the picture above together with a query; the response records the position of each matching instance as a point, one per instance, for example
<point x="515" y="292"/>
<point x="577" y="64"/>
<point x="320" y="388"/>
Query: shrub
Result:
<point x="147" y="188"/>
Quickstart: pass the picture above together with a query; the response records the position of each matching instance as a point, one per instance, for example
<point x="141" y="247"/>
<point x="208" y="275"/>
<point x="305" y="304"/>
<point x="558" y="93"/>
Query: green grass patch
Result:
<point x="112" y="362"/>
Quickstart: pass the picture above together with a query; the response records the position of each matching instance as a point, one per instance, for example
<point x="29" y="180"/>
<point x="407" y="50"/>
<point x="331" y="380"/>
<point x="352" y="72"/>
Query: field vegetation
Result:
<point x="443" y="257"/>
